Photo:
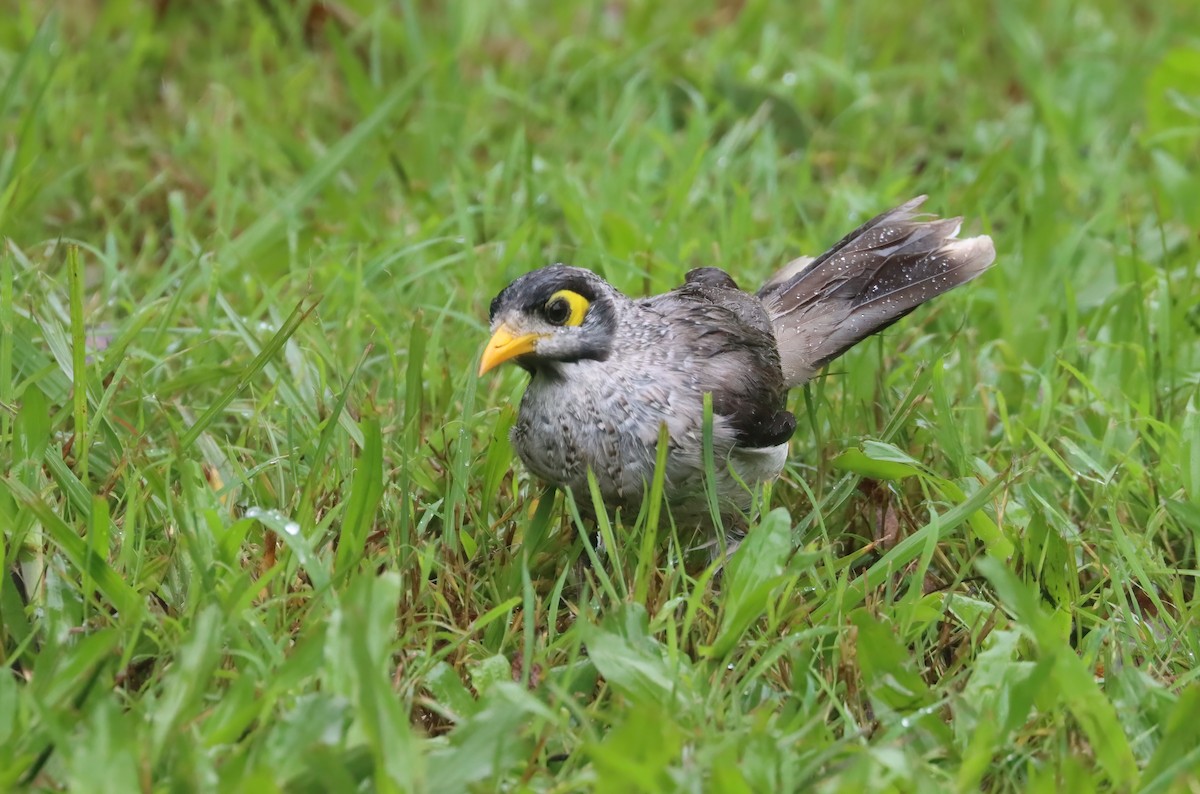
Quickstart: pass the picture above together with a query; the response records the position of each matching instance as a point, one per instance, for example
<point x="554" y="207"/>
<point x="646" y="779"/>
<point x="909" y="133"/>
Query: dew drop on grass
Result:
<point x="274" y="519"/>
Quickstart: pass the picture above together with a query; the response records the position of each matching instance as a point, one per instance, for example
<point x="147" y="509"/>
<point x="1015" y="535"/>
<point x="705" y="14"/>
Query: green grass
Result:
<point x="262" y="527"/>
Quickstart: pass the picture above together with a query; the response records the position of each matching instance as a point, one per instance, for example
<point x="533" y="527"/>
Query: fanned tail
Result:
<point x="874" y="276"/>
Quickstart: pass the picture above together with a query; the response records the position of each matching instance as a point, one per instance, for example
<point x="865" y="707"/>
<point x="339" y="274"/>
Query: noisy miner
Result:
<point x="607" y="371"/>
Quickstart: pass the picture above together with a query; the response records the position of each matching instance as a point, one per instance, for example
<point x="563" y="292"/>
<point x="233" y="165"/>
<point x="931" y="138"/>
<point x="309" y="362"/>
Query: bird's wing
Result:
<point x="732" y="347"/>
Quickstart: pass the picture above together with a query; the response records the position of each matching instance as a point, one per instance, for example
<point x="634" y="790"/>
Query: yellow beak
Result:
<point x="504" y="346"/>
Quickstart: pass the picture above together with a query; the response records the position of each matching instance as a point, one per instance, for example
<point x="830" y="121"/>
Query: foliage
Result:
<point x="262" y="526"/>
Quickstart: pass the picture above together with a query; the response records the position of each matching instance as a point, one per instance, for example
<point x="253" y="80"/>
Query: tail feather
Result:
<point x="874" y="276"/>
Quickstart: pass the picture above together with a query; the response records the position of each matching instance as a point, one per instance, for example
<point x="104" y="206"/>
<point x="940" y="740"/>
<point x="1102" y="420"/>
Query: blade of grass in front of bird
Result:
<point x="588" y="546"/>
<point x="647" y="555"/>
<point x="710" y="472"/>
<point x="538" y="527"/>
<point x="815" y="424"/>
<point x="529" y="611"/>
<point x="555" y="603"/>
<point x="604" y="526"/>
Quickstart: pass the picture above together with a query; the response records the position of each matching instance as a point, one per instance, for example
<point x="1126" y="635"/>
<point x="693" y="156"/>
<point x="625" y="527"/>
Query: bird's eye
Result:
<point x="558" y="311"/>
<point x="565" y="307"/>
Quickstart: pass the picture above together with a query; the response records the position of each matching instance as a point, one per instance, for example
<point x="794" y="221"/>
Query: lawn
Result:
<point x="262" y="525"/>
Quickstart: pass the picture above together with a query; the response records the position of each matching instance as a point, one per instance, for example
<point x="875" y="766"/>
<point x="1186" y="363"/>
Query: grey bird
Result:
<point x="607" y="371"/>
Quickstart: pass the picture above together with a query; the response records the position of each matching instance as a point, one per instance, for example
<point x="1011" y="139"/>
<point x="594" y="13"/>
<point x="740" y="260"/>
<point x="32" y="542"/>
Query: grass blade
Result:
<point x="365" y="492"/>
<point x="270" y="349"/>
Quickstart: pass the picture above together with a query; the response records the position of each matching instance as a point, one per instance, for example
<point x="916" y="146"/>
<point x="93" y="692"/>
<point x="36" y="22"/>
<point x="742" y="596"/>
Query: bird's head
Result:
<point x="553" y="314"/>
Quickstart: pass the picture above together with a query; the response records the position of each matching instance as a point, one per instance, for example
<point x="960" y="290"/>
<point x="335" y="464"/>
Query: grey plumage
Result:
<point x="607" y="371"/>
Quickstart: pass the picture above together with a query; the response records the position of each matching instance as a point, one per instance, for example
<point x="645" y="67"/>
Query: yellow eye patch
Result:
<point x="566" y="307"/>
